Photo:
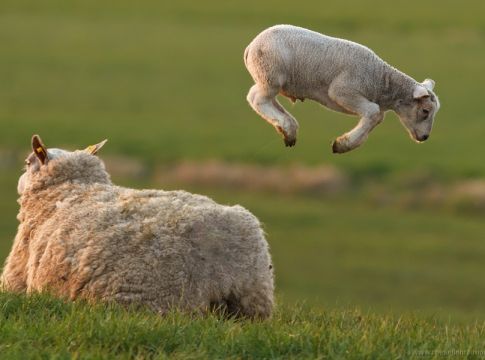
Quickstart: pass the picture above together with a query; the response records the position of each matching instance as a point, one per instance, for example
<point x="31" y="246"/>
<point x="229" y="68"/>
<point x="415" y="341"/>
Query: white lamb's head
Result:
<point x="417" y="113"/>
<point x="42" y="157"/>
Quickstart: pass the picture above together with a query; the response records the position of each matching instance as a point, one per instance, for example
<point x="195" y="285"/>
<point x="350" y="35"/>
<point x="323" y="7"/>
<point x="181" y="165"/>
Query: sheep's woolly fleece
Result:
<point x="82" y="237"/>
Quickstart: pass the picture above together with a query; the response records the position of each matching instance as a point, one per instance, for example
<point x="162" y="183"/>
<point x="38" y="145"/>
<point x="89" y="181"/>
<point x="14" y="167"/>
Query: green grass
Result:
<point x="80" y="330"/>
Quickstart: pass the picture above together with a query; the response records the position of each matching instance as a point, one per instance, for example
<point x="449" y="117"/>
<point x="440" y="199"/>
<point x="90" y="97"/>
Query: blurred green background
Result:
<point x="165" y="82"/>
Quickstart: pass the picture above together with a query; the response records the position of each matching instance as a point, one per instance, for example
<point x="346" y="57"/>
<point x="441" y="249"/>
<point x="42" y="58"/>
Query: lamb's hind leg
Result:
<point x="264" y="102"/>
<point x="370" y="116"/>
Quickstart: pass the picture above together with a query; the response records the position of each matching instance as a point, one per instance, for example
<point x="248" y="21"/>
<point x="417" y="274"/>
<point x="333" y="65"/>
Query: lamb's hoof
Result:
<point x="289" y="142"/>
<point x="338" y="148"/>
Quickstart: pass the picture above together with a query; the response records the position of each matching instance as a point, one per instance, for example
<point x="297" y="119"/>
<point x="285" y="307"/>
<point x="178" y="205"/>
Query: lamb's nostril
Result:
<point x="424" y="137"/>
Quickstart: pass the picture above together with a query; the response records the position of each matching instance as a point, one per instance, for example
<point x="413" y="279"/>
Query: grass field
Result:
<point x="165" y="82"/>
<point x="83" y="331"/>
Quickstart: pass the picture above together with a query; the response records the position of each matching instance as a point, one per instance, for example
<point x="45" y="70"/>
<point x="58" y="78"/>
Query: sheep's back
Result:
<point x="115" y="242"/>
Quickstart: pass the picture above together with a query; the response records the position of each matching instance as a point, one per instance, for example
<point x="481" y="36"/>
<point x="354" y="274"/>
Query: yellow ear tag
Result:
<point x="40" y="150"/>
<point x="91" y="149"/>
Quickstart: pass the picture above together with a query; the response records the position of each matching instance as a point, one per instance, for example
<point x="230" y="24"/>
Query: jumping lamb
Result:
<point x="80" y="236"/>
<point x="342" y="75"/>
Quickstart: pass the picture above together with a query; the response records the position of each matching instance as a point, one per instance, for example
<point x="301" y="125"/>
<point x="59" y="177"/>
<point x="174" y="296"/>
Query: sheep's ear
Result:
<point x="420" y="92"/>
<point x="93" y="149"/>
<point x="39" y="149"/>
<point x="428" y="84"/>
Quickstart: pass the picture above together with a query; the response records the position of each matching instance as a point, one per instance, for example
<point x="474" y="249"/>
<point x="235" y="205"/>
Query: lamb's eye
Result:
<point x="425" y="111"/>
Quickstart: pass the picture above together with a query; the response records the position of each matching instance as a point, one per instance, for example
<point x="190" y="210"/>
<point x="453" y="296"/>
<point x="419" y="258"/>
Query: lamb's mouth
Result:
<point x="414" y="136"/>
<point x="418" y="139"/>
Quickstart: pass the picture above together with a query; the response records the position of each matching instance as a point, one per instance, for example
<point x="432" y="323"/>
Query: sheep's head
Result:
<point x="41" y="157"/>
<point x="417" y="113"/>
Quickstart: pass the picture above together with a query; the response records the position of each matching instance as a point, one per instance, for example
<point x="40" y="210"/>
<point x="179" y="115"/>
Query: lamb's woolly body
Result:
<point x="304" y="64"/>
<point x="82" y="237"/>
<point x="339" y="74"/>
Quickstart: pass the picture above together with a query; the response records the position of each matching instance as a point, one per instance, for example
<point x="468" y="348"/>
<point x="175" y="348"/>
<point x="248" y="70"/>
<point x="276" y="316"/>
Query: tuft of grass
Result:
<point x="39" y="326"/>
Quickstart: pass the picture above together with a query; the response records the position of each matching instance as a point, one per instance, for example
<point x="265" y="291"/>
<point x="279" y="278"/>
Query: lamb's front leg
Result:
<point x="370" y="116"/>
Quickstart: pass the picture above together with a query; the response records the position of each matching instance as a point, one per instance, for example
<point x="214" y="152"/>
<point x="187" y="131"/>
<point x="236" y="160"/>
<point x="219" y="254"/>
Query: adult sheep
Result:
<point x="342" y="75"/>
<point x="80" y="236"/>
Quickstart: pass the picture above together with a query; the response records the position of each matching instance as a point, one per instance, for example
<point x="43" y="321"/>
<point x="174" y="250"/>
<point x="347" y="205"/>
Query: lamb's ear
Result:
<point x="420" y="92"/>
<point x="428" y="84"/>
<point x="39" y="149"/>
<point x="93" y="149"/>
